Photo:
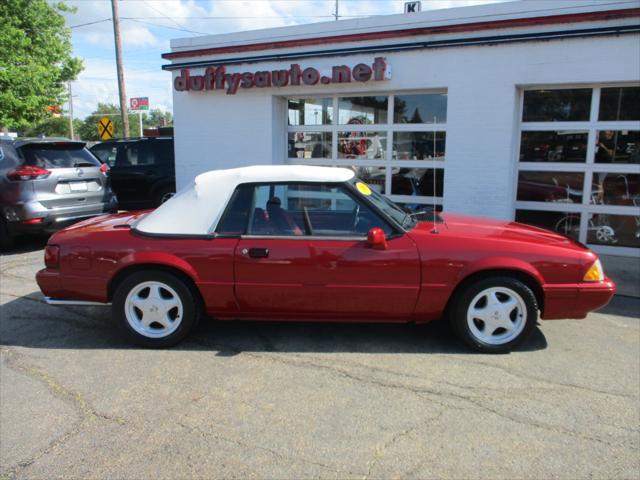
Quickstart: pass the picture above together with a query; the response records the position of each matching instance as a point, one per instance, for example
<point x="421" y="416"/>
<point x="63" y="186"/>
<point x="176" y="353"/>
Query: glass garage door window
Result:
<point x="579" y="164"/>
<point x="396" y="143"/>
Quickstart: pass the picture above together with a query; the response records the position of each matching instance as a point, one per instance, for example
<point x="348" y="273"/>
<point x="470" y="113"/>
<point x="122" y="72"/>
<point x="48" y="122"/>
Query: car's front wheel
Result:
<point x="494" y="314"/>
<point x="155" y="309"/>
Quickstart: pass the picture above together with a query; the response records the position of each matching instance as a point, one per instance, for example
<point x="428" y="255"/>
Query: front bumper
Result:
<point x="576" y="301"/>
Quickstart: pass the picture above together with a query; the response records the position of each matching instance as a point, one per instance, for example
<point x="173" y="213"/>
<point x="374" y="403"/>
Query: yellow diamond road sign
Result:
<point x="105" y="128"/>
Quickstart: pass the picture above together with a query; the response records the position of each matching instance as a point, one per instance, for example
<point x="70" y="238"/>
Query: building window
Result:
<point x="396" y="143"/>
<point x="579" y="165"/>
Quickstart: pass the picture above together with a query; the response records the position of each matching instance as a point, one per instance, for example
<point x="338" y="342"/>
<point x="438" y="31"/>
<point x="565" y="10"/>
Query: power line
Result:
<point x="90" y="23"/>
<point x="164" y="26"/>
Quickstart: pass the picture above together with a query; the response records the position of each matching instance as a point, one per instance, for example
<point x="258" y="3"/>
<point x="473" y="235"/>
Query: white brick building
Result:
<point x="523" y="110"/>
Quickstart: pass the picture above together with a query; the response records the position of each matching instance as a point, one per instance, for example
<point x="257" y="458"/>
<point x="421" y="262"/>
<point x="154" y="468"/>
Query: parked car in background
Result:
<point x="283" y="242"/>
<point x="46" y="184"/>
<point x="142" y="170"/>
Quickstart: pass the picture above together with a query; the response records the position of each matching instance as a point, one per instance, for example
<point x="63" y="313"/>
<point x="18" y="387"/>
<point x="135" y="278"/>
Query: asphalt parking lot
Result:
<point x="296" y="401"/>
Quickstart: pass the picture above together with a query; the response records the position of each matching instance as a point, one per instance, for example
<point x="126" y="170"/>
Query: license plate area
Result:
<point x="78" y="186"/>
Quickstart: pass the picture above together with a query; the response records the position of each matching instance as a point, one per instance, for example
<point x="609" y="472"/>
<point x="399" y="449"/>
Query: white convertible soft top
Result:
<point x="197" y="209"/>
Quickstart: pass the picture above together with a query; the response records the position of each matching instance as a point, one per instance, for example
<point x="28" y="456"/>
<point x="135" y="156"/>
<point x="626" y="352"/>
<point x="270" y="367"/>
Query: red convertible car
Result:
<point x="317" y="244"/>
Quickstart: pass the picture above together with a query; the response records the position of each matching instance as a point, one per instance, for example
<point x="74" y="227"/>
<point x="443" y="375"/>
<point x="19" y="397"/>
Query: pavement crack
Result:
<point x="271" y="451"/>
<point x="434" y="395"/>
<point x="85" y="412"/>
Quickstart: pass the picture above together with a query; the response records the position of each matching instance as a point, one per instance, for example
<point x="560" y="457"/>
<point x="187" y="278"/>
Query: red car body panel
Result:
<point x="331" y="279"/>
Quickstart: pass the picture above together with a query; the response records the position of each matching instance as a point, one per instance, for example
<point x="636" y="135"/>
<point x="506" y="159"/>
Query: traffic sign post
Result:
<point x="139" y="104"/>
<point x="105" y="128"/>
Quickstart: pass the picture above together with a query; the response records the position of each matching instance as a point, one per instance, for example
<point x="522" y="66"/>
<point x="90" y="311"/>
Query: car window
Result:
<point x="57" y="156"/>
<point x="106" y="153"/>
<point x="136" y="154"/>
<point x="298" y="209"/>
<point x="163" y="152"/>
<point x="236" y="216"/>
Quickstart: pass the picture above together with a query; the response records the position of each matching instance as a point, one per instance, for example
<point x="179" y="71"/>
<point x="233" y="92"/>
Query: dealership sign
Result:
<point x="217" y="78"/>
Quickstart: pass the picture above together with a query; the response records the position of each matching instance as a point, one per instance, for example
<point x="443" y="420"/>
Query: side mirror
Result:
<point x="377" y="239"/>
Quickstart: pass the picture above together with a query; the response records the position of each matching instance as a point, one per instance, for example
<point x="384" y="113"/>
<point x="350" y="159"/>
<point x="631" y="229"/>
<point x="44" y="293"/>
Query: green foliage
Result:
<point x="53" y="127"/>
<point x="89" y="128"/>
<point x="35" y="61"/>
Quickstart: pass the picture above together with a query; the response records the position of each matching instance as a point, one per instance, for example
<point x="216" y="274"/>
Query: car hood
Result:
<point x="481" y="227"/>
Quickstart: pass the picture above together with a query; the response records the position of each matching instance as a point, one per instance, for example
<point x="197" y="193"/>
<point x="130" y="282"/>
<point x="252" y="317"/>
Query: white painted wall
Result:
<point x="214" y="130"/>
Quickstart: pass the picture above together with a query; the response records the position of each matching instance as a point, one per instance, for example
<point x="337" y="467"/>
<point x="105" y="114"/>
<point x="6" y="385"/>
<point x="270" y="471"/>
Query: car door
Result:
<point x="133" y="174"/>
<point x="305" y="254"/>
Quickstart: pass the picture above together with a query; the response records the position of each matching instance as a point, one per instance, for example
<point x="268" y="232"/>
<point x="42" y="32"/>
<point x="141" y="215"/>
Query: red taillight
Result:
<point x="33" y="221"/>
<point x="26" y="172"/>
<point x="104" y="168"/>
<point x="52" y="256"/>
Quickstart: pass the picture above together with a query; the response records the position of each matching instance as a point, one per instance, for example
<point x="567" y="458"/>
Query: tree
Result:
<point x="52" y="127"/>
<point x="157" y="118"/>
<point x="35" y="60"/>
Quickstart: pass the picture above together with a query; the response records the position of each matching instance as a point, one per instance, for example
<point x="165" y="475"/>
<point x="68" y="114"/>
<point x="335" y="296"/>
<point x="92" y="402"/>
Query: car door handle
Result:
<point x="258" y="252"/>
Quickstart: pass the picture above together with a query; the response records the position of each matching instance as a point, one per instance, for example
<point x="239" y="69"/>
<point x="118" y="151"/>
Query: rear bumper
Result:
<point x="71" y="288"/>
<point x="576" y="301"/>
<point x="53" y="219"/>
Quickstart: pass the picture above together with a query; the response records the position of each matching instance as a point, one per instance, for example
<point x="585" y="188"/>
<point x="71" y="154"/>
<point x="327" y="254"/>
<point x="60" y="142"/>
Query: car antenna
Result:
<point x="435" y="220"/>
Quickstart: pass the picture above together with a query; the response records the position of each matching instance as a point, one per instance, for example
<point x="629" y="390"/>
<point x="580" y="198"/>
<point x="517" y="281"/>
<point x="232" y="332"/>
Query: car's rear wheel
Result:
<point x="155" y="309"/>
<point x="163" y="195"/>
<point x="494" y="314"/>
<point x="6" y="240"/>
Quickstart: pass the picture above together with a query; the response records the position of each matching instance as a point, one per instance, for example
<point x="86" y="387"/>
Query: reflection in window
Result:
<point x="362" y="110"/>
<point x="559" y="146"/>
<point x="617" y="230"/>
<point x="561" y="222"/>
<point x="372" y="176"/>
<point x="567" y="105"/>
<point x="424" y="108"/>
<point x="558" y="187"/>
<point x="310" y="111"/>
<point x="618" y="146"/>
<point x="417" y="181"/>
<point x="616" y="189"/>
<point x="362" y="145"/>
<point x="620" y="103"/>
<point x="419" y="145"/>
<point x="309" y="145"/>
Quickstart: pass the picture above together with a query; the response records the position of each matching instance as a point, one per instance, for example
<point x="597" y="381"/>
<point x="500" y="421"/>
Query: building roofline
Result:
<point x="590" y="16"/>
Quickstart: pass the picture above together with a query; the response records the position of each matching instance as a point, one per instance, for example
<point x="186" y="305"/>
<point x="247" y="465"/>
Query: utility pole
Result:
<point x="121" y="90"/>
<point x="336" y="12"/>
<point x="70" y="111"/>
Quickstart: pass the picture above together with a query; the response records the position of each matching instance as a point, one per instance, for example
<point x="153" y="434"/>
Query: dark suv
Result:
<point x="142" y="170"/>
<point x="46" y="184"/>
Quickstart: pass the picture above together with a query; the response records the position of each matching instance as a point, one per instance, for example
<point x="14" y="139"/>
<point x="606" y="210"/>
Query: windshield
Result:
<point x="405" y="218"/>
<point x="58" y="156"/>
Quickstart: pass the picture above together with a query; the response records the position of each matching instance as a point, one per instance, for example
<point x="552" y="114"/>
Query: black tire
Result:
<point x="462" y="302"/>
<point x="6" y="240"/>
<point x="191" y="308"/>
<point x="161" y="195"/>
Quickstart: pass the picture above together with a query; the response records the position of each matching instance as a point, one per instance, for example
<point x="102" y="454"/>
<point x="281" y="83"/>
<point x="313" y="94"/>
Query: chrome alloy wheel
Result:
<point x="153" y="309"/>
<point x="496" y="315"/>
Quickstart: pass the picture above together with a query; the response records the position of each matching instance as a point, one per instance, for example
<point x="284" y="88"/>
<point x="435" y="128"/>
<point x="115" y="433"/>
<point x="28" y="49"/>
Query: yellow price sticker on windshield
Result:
<point x="363" y="188"/>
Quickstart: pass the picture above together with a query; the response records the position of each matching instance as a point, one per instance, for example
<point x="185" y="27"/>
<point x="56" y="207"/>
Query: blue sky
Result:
<point x="148" y="25"/>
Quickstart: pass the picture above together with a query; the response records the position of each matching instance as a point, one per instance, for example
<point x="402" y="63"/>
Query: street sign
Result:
<point x="412" y="7"/>
<point x="105" y="128"/>
<point x="139" y="103"/>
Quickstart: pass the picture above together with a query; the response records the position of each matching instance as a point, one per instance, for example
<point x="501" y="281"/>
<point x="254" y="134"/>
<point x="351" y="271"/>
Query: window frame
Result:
<point x="584" y="208"/>
<point x="346" y="187"/>
<point x="389" y="128"/>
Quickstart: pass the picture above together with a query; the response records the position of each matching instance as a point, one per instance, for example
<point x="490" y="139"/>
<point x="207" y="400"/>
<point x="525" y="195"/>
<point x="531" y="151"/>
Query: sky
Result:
<point x="147" y="26"/>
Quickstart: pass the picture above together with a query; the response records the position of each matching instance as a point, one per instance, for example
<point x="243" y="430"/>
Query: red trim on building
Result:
<point x="412" y="32"/>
